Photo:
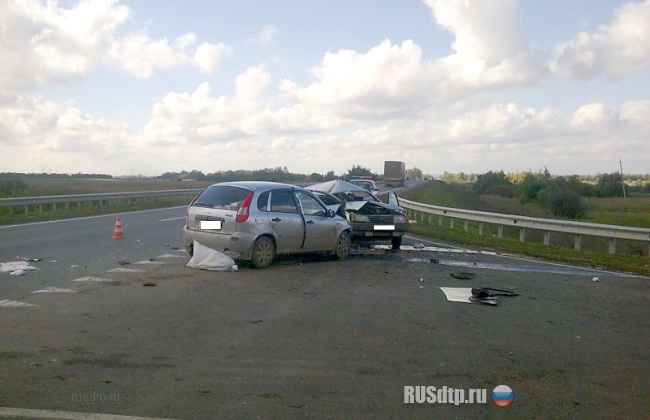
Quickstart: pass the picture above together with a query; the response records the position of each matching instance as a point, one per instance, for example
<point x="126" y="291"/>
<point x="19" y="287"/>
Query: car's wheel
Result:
<point x="396" y="242"/>
<point x="190" y="250"/>
<point x="343" y="246"/>
<point x="263" y="252"/>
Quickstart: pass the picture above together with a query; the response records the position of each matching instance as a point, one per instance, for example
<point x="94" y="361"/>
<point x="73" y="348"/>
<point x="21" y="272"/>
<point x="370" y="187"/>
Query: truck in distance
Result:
<point x="394" y="173"/>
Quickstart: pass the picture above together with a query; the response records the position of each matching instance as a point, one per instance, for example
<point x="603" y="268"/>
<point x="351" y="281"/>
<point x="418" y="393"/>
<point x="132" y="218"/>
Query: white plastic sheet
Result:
<point x="458" y="294"/>
<point x="205" y="258"/>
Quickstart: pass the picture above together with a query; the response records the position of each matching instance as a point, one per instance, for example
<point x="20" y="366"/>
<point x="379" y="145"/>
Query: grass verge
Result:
<point x="631" y="256"/>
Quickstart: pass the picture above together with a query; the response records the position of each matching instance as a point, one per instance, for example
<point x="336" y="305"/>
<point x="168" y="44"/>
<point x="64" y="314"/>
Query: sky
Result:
<point x="140" y="87"/>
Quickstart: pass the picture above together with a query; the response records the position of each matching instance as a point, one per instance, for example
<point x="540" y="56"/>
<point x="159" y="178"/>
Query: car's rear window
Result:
<point x="222" y="197"/>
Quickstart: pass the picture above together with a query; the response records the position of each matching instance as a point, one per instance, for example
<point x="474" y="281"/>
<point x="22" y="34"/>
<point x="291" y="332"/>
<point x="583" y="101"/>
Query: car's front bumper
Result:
<point x="377" y="231"/>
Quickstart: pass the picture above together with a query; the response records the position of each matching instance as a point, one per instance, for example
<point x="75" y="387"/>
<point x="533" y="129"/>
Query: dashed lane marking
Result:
<point x="13" y="303"/>
<point x="57" y="414"/>
<point x="89" y="278"/>
<point x="125" y="270"/>
<point x="54" y="290"/>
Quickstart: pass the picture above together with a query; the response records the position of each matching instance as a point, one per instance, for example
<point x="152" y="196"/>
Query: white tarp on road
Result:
<point x="205" y="258"/>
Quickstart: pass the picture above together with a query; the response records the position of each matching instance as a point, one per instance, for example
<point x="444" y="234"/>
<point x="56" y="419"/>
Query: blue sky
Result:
<point x="141" y="87"/>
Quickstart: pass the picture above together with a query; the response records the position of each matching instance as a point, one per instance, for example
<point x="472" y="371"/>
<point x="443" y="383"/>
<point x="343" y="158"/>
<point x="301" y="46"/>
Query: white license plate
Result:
<point x="210" y="224"/>
<point x="384" y="227"/>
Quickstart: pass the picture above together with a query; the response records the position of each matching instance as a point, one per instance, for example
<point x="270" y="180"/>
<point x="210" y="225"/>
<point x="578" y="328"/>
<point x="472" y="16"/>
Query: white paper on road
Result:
<point x="8" y="267"/>
<point x="205" y="258"/>
<point x="457" y="294"/>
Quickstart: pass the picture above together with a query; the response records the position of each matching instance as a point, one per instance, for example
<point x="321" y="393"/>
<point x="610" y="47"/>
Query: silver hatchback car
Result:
<point x="258" y="220"/>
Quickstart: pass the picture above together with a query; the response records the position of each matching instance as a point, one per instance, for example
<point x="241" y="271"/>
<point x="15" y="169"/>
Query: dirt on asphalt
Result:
<point x="312" y="337"/>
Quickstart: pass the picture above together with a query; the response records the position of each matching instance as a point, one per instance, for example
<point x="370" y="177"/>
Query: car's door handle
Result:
<point x="276" y="219"/>
<point x="310" y="222"/>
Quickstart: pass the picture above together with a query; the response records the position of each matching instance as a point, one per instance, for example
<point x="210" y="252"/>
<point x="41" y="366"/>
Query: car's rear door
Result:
<point x="286" y="220"/>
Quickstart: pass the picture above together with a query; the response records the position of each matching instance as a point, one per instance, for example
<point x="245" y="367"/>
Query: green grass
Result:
<point x="631" y="256"/>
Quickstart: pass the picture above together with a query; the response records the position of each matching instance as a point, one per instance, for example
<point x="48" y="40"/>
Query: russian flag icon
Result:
<point x="502" y="395"/>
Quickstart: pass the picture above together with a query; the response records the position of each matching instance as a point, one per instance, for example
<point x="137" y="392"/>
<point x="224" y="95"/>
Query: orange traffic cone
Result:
<point x="118" y="229"/>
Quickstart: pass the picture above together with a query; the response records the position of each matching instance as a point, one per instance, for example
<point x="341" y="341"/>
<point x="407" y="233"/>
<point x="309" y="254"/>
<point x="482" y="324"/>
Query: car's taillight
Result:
<point x="244" y="210"/>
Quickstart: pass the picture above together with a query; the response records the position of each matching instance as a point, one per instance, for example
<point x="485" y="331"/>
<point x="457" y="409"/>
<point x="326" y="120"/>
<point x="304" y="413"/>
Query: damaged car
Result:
<point x="256" y="221"/>
<point x="370" y="218"/>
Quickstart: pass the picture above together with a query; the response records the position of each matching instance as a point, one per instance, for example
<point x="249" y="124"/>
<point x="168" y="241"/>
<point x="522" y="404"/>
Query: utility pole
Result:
<point x="622" y="179"/>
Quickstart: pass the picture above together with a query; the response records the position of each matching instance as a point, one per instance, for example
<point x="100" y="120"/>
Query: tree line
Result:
<point x="562" y="195"/>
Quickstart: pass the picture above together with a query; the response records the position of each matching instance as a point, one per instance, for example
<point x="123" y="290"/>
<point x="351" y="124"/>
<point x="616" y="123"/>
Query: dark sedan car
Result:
<point x="370" y="218"/>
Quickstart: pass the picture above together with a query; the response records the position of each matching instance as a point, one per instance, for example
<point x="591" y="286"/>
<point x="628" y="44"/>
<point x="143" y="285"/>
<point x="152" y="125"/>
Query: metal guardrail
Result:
<point x="612" y="232"/>
<point x="53" y="200"/>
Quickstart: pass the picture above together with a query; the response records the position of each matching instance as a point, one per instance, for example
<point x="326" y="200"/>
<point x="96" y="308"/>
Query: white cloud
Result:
<point x="43" y="44"/>
<point x="490" y="47"/>
<point x="38" y="133"/>
<point x="202" y="117"/>
<point x="140" y="55"/>
<point x="208" y="56"/>
<point x="266" y="36"/>
<point x="614" y="50"/>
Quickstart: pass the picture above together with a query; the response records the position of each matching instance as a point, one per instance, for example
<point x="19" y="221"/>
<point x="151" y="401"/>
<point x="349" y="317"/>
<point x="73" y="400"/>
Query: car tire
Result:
<point x="396" y="243"/>
<point x="263" y="252"/>
<point x="343" y="246"/>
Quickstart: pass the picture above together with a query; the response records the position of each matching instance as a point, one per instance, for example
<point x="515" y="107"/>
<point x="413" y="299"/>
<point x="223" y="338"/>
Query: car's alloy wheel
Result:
<point x="263" y="252"/>
<point x="342" y="250"/>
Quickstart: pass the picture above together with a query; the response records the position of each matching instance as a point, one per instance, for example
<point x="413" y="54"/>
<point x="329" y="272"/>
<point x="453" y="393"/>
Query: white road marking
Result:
<point x="13" y="303"/>
<point x="149" y="262"/>
<point x="171" y="218"/>
<point x="89" y="278"/>
<point x="54" y="290"/>
<point x="47" y="222"/>
<point x="57" y="414"/>
<point x="170" y="256"/>
<point x="124" y="270"/>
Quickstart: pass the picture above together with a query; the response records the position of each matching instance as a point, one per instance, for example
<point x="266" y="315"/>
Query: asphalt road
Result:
<point x="307" y="337"/>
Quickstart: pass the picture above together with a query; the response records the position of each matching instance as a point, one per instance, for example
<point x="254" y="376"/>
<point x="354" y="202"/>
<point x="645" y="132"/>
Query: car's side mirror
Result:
<point x="392" y="199"/>
<point x="330" y="213"/>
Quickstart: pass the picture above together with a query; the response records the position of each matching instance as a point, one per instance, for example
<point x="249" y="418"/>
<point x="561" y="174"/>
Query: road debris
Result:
<point x="462" y="275"/>
<point x="595" y="279"/>
<point x="149" y="284"/>
<point x="17" y="273"/>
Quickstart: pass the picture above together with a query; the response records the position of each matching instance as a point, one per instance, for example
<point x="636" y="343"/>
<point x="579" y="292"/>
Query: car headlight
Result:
<point x="358" y="217"/>
<point x="400" y="219"/>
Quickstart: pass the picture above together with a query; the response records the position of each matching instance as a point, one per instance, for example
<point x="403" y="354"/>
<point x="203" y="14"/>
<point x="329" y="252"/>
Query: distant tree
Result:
<point x="609" y="185"/>
<point x="490" y="180"/>
<point x="358" y="170"/>
<point x="414" y="173"/>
